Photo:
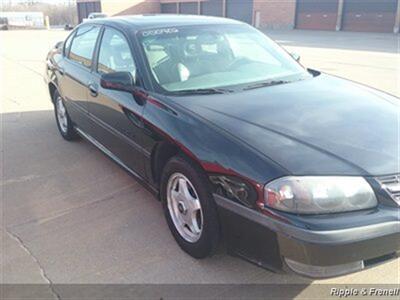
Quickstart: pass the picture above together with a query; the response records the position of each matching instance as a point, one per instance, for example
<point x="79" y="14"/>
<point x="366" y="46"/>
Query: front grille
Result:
<point x="391" y="184"/>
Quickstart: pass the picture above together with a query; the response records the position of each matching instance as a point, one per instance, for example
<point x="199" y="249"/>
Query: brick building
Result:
<point x="349" y="15"/>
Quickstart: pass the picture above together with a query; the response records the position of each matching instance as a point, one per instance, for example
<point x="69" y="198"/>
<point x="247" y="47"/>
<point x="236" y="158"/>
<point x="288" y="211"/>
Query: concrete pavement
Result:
<point x="369" y="58"/>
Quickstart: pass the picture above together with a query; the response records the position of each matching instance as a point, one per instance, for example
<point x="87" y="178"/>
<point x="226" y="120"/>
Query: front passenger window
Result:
<point x="115" y="54"/>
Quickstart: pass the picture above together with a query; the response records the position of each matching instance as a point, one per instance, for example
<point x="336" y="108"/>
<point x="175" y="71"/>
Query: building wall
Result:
<point x="130" y="7"/>
<point x="275" y="14"/>
<point x="267" y="14"/>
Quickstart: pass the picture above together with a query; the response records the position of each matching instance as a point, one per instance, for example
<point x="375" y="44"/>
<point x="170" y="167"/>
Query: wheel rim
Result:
<point x="184" y="207"/>
<point x="61" y="115"/>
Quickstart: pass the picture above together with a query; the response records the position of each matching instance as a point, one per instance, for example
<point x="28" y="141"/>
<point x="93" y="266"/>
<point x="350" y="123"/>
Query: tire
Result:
<point x="197" y="245"/>
<point x="64" y="122"/>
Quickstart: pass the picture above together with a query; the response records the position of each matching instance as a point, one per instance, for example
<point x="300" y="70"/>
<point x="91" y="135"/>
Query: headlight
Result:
<point x="319" y="195"/>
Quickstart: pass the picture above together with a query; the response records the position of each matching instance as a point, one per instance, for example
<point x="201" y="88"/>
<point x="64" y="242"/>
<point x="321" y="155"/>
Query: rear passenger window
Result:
<point x="115" y="54"/>
<point x="83" y="45"/>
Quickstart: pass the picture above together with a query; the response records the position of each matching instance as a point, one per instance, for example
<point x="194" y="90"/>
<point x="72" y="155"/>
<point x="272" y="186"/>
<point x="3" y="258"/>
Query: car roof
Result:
<point x="140" y="22"/>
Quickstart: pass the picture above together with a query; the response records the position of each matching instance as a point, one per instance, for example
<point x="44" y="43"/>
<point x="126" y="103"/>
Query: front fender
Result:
<point x="216" y="151"/>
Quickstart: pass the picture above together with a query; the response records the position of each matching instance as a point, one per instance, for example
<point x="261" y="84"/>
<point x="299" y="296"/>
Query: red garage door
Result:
<point x="369" y="15"/>
<point x="316" y="14"/>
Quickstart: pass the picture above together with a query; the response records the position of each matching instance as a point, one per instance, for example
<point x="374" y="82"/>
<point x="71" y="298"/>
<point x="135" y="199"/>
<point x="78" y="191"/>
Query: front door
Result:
<point x="116" y="116"/>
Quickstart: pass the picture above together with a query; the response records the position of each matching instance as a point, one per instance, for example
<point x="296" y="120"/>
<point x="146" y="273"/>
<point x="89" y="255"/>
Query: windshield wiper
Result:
<point x="264" y="84"/>
<point x="208" y="91"/>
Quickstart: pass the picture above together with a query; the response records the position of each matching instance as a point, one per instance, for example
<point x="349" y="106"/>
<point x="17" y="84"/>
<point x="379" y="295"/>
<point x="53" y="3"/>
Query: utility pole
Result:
<point x="72" y="10"/>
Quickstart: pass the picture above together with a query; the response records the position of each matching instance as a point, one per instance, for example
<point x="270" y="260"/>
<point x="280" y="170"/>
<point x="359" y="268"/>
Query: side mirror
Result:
<point x="119" y="81"/>
<point x="295" y="56"/>
<point x="59" y="45"/>
<point x="125" y="82"/>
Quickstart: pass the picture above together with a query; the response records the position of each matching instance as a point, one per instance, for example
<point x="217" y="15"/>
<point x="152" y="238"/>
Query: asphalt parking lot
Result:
<point x="70" y="215"/>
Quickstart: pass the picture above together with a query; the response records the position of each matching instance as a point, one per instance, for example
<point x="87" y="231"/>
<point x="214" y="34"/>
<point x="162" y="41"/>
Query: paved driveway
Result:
<point x="70" y="215"/>
<point x="369" y="58"/>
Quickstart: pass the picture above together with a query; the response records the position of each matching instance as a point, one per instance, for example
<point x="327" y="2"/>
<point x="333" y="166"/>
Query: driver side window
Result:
<point x="115" y="54"/>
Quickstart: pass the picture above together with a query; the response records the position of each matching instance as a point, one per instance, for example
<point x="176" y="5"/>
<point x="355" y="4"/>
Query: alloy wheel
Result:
<point x="184" y="207"/>
<point x="62" y="118"/>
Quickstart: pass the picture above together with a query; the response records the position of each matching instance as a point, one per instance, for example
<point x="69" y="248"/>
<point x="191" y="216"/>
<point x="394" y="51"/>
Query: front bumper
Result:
<point x="271" y="242"/>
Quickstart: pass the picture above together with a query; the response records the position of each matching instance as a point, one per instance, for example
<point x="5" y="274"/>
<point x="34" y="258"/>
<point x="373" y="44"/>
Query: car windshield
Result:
<point x="193" y="58"/>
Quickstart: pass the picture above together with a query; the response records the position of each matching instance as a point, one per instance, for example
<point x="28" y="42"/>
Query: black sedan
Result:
<point x="292" y="167"/>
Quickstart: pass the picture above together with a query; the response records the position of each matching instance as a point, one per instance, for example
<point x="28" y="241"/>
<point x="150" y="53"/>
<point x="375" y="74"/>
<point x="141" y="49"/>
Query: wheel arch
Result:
<point x="163" y="152"/>
<point x="52" y="90"/>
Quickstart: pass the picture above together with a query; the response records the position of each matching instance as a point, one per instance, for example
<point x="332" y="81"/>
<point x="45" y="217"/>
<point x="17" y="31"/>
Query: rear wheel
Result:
<point x="189" y="208"/>
<point x="64" y="123"/>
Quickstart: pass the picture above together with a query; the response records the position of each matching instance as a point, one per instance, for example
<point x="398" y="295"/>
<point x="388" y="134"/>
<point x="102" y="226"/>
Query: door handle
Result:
<point x="93" y="89"/>
<point x="61" y="71"/>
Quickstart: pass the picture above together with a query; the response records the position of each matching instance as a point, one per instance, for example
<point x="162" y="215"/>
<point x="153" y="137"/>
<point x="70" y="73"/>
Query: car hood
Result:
<point x="319" y="126"/>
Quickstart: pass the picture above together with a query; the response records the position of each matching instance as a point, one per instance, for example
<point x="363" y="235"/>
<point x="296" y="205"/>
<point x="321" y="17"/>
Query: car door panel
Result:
<point x="74" y="89"/>
<point x="75" y="74"/>
<point x="117" y="126"/>
<point x="116" y="117"/>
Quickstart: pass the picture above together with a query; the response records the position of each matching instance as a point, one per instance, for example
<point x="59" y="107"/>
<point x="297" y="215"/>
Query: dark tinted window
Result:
<point x="115" y="54"/>
<point x="83" y="45"/>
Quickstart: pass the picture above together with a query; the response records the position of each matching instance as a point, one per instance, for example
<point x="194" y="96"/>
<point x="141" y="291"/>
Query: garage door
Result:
<point x="212" y="8"/>
<point x="168" y="8"/>
<point x="190" y="8"/>
<point x="241" y="10"/>
<point x="316" y="14"/>
<point x="369" y="15"/>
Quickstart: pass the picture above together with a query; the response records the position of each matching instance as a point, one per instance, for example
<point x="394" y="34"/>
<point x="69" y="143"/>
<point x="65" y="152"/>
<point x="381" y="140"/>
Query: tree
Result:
<point x="59" y="14"/>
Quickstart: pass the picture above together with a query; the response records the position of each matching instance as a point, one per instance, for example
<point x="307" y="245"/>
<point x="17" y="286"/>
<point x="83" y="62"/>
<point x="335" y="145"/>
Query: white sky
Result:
<point x="27" y="1"/>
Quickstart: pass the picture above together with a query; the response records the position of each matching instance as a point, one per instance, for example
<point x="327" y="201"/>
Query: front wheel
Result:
<point x="189" y="208"/>
<point x="64" y="122"/>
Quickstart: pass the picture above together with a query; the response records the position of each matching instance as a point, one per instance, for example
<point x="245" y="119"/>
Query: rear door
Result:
<point x="75" y="73"/>
<point x="116" y="116"/>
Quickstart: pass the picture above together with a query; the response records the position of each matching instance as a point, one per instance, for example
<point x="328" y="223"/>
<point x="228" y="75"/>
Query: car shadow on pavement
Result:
<point x="87" y="221"/>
